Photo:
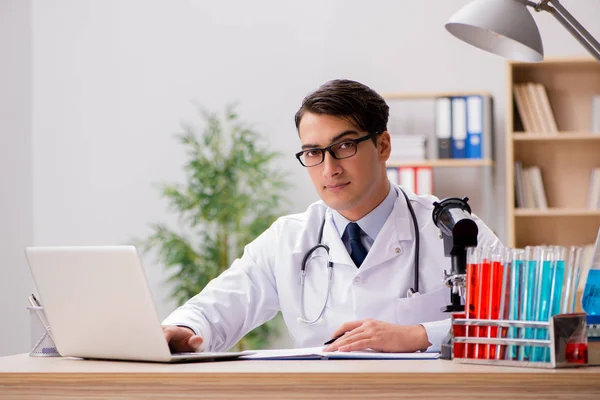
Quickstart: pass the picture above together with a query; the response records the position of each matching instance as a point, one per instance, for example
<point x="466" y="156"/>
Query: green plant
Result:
<point x="232" y="194"/>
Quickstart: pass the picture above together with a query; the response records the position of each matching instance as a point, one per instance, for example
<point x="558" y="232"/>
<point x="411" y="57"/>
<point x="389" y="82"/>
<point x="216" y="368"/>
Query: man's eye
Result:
<point x="346" y="145"/>
<point x="312" y="153"/>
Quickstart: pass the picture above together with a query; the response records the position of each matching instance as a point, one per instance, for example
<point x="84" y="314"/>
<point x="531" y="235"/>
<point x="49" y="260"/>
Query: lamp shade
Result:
<point x="502" y="27"/>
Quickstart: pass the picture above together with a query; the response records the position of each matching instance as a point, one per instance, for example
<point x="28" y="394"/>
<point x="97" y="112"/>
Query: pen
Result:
<point x="35" y="300"/>
<point x="333" y="339"/>
<point x="40" y="313"/>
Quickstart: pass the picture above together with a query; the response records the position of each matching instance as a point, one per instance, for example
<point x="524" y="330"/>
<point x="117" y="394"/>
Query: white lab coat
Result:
<point x="266" y="279"/>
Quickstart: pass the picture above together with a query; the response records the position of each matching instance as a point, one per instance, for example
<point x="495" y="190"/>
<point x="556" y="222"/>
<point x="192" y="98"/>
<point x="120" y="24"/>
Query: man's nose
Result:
<point x="331" y="165"/>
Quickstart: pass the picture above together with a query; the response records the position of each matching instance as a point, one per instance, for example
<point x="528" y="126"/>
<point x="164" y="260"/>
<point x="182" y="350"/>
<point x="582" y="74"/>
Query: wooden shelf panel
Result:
<point x="556" y="212"/>
<point x="430" y="95"/>
<point x="549" y="62"/>
<point x="578" y="136"/>
<point x="443" y="163"/>
<point x="566" y="167"/>
<point x="576" y="230"/>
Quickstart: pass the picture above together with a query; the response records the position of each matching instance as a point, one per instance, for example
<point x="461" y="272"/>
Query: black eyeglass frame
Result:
<point x="328" y="149"/>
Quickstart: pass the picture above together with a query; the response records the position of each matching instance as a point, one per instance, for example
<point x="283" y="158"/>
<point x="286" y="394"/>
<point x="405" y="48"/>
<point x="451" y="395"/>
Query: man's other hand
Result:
<point x="379" y="336"/>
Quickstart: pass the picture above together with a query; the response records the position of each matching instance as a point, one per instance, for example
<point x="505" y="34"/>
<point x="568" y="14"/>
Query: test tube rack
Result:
<point x="563" y="329"/>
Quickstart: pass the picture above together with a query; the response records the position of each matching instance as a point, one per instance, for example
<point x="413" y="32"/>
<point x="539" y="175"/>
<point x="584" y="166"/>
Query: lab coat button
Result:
<point x="357" y="279"/>
<point x="398" y="250"/>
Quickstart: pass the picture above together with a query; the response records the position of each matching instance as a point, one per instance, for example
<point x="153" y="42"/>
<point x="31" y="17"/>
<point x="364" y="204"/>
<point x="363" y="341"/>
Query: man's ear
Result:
<point x="384" y="146"/>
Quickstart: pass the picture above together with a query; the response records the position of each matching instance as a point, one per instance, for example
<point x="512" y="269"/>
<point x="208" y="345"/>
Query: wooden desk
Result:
<point x="26" y="377"/>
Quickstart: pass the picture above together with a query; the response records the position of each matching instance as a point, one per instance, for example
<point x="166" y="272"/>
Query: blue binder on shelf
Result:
<point x="474" y="127"/>
<point x="459" y="127"/>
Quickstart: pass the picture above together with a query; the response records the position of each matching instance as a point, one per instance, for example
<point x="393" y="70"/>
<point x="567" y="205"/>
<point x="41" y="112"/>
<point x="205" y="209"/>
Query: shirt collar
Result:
<point x="371" y="223"/>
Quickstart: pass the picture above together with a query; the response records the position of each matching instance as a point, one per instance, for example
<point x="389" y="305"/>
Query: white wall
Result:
<point x="113" y="79"/>
<point x="16" y="227"/>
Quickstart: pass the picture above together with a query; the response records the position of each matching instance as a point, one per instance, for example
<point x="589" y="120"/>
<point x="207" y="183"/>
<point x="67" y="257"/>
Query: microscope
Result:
<point x="458" y="230"/>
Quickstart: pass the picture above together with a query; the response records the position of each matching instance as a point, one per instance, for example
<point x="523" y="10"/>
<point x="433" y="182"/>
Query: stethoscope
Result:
<point x="411" y="292"/>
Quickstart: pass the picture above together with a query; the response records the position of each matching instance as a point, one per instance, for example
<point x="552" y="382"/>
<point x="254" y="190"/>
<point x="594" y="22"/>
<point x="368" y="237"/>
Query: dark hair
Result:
<point x="361" y="105"/>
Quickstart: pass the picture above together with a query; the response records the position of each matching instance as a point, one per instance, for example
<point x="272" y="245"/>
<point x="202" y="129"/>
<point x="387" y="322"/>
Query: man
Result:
<point x="363" y="225"/>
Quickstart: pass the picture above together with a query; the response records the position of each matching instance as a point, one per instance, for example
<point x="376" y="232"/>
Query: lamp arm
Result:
<point x="570" y="24"/>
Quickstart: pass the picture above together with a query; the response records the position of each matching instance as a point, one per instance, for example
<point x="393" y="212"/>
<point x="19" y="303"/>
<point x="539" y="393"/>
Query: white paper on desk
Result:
<point x="317" y="353"/>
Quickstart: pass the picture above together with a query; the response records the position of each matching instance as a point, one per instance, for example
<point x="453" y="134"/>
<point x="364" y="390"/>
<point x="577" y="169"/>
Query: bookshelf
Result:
<point x="480" y="175"/>
<point x="565" y="157"/>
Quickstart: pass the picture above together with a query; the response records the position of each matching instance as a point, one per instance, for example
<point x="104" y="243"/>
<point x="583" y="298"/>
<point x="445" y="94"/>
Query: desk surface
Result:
<point x="65" y="378"/>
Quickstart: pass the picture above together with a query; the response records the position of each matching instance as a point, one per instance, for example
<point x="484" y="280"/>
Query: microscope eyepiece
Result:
<point x="440" y="209"/>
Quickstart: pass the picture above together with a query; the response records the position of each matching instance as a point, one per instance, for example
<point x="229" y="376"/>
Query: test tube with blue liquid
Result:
<point x="557" y="279"/>
<point x="515" y="296"/>
<point x="544" y="261"/>
<point x="527" y="300"/>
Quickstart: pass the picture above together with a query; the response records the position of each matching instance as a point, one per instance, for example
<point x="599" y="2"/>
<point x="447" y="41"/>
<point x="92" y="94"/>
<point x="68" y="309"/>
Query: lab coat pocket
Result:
<point x="422" y="307"/>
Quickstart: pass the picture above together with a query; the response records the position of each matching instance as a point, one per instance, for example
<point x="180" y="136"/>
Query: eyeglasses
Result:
<point x="339" y="151"/>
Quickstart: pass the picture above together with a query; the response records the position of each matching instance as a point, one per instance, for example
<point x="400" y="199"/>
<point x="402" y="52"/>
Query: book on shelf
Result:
<point x="463" y="127"/>
<point x="529" y="187"/>
<point x="541" y="96"/>
<point x="536" y="106"/>
<point x="524" y="109"/>
<point x="593" y="201"/>
<point x="538" y="187"/>
<point x="519" y="189"/>
<point x="534" y="109"/>
<point x="596" y="114"/>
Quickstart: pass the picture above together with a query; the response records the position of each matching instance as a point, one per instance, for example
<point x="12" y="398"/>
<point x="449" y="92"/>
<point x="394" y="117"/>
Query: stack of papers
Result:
<point x="317" y="353"/>
<point x="407" y="147"/>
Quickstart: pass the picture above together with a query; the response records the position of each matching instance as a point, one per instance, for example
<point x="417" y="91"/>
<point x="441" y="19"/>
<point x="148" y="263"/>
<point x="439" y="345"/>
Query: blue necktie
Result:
<point x="358" y="251"/>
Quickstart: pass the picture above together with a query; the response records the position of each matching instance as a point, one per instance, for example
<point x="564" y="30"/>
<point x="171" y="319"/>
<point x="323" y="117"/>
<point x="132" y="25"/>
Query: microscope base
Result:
<point x="446" y="348"/>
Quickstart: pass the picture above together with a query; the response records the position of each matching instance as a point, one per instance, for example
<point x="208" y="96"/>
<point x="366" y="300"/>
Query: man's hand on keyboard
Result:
<point x="181" y="339"/>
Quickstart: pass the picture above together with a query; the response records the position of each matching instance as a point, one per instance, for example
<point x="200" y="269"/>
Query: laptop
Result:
<point x="98" y="305"/>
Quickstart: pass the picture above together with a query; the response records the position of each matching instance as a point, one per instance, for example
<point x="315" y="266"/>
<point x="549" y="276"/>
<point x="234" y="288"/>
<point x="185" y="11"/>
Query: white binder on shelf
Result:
<point x="424" y="180"/>
<point x="474" y="126"/>
<point x="407" y="178"/>
<point x="443" y="126"/>
<point x="392" y="174"/>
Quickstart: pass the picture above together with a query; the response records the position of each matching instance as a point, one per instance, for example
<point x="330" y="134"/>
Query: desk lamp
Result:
<point x="506" y="28"/>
